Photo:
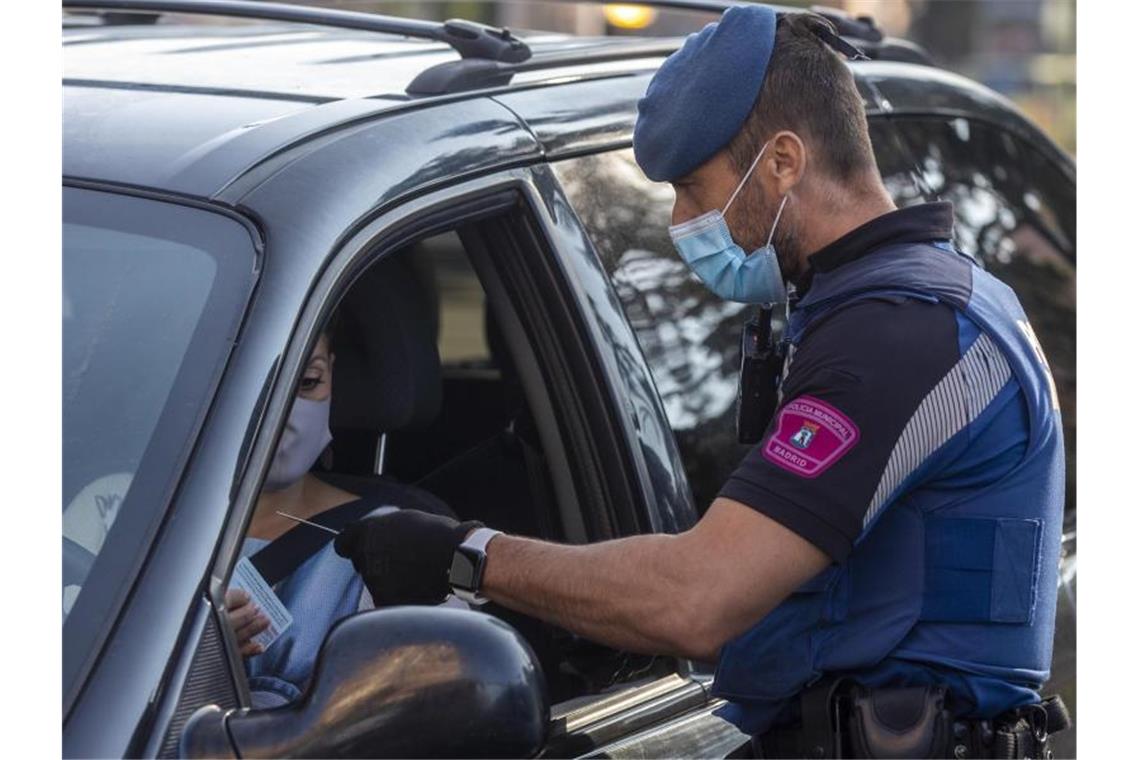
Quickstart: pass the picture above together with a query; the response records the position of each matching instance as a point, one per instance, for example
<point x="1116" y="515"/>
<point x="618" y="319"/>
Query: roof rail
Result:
<point x="470" y="39"/>
<point x="708" y="6"/>
<point x="860" y="31"/>
<point x="462" y="76"/>
<point x="109" y="18"/>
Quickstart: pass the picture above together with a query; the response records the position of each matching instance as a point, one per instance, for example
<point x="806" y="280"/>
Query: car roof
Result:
<point x="276" y="61"/>
<point x="142" y="103"/>
<point x="195" y="108"/>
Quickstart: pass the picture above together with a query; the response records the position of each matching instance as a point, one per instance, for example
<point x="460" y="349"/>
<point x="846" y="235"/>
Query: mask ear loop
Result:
<point x="747" y="174"/>
<point x="779" y="211"/>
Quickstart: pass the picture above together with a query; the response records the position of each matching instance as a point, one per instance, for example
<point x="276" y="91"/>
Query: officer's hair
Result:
<point x="809" y="90"/>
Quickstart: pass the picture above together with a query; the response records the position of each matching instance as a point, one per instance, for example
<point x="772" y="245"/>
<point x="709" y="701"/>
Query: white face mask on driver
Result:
<point x="306" y="436"/>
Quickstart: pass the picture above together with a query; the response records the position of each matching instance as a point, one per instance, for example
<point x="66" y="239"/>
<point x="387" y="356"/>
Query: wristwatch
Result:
<point x="466" y="575"/>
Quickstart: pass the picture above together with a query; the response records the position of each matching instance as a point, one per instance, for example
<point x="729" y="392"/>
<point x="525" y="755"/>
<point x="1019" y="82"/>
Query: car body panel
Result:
<point x="907" y="88"/>
<point x="698" y="733"/>
<point x="142" y="137"/>
<point x="321" y="192"/>
<point x="316" y="80"/>
<point x="585" y="116"/>
<point x="279" y="59"/>
<point x="306" y="81"/>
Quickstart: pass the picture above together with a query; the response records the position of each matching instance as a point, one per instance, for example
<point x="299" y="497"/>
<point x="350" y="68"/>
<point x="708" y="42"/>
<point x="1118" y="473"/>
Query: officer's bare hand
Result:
<point x="247" y="620"/>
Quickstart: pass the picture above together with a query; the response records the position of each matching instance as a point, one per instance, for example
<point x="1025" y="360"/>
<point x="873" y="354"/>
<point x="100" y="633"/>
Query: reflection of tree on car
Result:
<point x="968" y="164"/>
<point x="690" y="335"/>
<point x="1016" y="216"/>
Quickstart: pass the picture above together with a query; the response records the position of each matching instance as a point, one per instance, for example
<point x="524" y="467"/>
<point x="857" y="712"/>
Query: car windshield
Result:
<point x="152" y="295"/>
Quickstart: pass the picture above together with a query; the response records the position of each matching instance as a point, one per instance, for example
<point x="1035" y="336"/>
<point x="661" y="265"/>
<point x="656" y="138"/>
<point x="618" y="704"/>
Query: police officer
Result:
<point x="882" y="567"/>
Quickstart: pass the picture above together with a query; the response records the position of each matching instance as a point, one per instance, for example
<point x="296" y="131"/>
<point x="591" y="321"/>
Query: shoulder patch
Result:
<point x="810" y="436"/>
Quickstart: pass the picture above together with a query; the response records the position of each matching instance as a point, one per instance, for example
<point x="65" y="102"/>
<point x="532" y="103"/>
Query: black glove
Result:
<point x="404" y="556"/>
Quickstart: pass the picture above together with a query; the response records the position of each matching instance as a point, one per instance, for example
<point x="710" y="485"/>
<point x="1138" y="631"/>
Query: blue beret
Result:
<point x="700" y="97"/>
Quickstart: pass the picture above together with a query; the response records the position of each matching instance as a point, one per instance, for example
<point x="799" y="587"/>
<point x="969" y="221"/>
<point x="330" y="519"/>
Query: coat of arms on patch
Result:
<point x="810" y="436"/>
<point x="802" y="439"/>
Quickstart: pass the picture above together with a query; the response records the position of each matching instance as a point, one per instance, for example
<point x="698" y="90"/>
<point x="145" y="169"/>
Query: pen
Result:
<point x="306" y="522"/>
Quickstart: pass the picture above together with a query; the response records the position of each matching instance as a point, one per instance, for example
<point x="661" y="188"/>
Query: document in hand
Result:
<point x="246" y="577"/>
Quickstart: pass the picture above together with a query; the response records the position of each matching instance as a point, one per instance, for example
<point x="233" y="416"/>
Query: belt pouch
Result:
<point x="911" y="722"/>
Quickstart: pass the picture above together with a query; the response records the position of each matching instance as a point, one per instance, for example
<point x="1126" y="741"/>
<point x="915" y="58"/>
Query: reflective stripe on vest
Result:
<point x="961" y="581"/>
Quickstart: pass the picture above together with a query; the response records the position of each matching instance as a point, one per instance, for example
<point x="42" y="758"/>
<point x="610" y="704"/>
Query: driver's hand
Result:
<point x="246" y="619"/>
<point x="404" y="556"/>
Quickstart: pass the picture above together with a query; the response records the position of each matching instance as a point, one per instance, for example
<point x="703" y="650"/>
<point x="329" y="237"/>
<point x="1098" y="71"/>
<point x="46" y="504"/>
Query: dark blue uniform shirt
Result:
<point x="917" y="442"/>
<point x="874" y="361"/>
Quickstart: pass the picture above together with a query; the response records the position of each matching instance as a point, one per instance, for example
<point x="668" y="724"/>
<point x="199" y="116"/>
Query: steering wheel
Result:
<point x="77" y="563"/>
<point x="86" y="519"/>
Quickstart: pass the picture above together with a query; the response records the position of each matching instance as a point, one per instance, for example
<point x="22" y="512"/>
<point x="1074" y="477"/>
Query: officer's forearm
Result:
<point x="629" y="593"/>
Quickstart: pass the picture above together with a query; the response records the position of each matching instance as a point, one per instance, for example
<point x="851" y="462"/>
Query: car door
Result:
<point x="608" y="418"/>
<point x="670" y="712"/>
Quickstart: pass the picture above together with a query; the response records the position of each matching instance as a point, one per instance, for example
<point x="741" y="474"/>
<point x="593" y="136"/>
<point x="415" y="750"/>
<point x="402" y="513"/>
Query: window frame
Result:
<point x="666" y="503"/>
<point x="681" y="468"/>
<point x="471" y="204"/>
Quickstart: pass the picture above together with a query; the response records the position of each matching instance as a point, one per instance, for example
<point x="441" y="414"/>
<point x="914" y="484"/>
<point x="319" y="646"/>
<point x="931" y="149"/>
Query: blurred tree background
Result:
<point x="1024" y="49"/>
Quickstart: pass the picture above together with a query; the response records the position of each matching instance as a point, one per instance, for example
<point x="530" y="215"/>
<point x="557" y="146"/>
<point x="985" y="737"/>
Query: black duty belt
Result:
<point x="842" y="719"/>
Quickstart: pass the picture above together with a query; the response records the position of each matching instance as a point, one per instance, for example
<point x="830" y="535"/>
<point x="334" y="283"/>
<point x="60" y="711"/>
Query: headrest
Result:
<point x="386" y="375"/>
<point x="702" y="94"/>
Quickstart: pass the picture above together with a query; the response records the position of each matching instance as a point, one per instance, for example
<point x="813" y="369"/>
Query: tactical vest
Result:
<point x="953" y="578"/>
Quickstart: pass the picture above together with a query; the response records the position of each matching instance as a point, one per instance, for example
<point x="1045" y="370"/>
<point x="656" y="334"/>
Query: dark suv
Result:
<point x="524" y="345"/>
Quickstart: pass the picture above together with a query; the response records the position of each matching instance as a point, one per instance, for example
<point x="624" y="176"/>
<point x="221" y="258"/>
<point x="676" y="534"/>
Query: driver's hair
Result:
<point x="331" y="327"/>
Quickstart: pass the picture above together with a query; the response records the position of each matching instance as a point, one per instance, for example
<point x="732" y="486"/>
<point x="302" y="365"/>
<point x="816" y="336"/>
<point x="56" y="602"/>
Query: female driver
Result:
<point x="324" y="587"/>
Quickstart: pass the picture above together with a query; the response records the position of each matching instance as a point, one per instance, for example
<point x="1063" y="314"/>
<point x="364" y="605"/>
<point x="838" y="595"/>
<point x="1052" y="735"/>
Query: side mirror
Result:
<point x="398" y="682"/>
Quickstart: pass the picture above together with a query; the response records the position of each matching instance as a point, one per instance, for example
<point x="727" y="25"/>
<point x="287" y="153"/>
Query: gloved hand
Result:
<point x="404" y="555"/>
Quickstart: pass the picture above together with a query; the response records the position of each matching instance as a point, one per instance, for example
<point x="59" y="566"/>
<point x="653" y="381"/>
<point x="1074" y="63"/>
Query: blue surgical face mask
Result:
<point x="706" y="245"/>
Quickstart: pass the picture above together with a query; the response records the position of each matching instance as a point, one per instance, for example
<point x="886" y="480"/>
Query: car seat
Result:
<point x="503" y="479"/>
<point x="386" y="377"/>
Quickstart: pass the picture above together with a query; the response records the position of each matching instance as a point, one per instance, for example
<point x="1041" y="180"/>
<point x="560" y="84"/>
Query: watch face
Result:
<point x="462" y="572"/>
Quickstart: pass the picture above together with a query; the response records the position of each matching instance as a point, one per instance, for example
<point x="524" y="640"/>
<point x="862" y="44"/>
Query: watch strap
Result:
<point x="479" y="538"/>
<point x="477" y="541"/>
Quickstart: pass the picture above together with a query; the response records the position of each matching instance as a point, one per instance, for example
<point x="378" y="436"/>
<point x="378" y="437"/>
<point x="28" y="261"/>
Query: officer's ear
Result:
<point x="785" y="162"/>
